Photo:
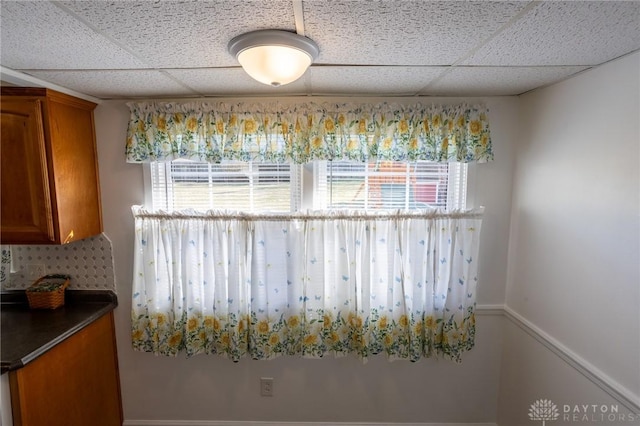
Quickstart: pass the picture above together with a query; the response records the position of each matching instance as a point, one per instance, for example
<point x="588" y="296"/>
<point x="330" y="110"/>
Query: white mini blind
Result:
<point x="390" y="185"/>
<point x="270" y="187"/>
<point x="242" y="186"/>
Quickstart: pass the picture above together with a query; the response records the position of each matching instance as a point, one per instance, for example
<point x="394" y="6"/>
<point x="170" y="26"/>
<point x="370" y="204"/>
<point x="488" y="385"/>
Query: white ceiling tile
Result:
<point x="232" y="81"/>
<point x="370" y="80"/>
<point x="186" y="34"/>
<point x="402" y="32"/>
<point x="39" y="35"/>
<point x="117" y="84"/>
<point x="496" y="81"/>
<point x="566" y="33"/>
<point x="171" y="48"/>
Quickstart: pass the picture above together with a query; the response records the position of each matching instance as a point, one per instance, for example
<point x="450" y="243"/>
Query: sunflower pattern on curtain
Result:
<point x="300" y="133"/>
<point x="401" y="283"/>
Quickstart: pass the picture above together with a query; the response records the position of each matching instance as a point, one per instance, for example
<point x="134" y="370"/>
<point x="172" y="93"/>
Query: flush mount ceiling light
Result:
<point x="274" y="57"/>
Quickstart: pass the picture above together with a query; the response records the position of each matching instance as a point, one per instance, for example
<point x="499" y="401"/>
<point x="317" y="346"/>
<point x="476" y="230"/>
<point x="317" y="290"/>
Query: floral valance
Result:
<point x="270" y="132"/>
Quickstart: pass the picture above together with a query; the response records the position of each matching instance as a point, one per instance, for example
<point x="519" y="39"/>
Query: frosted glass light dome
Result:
<point x="274" y="57"/>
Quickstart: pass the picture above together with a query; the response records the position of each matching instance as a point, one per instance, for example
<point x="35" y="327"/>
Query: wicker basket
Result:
<point x="48" y="291"/>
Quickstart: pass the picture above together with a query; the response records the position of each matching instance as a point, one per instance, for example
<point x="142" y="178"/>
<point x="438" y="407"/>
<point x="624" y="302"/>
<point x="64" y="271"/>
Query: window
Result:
<point x="259" y="187"/>
<point x="245" y="186"/>
<point x="389" y="185"/>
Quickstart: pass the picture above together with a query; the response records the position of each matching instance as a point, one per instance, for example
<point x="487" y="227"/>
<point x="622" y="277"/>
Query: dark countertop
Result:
<point x="26" y="334"/>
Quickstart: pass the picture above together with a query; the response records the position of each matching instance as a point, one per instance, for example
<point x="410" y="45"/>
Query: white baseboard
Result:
<point x="254" y="423"/>
<point x="621" y="394"/>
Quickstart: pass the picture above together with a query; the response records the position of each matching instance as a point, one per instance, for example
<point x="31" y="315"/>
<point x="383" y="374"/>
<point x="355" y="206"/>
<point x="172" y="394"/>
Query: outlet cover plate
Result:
<point x="266" y="386"/>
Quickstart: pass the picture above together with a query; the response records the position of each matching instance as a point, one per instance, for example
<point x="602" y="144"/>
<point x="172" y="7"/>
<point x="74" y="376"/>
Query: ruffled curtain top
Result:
<point x="300" y="133"/>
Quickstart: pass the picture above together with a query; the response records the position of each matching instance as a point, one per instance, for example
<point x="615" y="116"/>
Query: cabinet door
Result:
<point x="75" y="383"/>
<point x="74" y="171"/>
<point x="26" y="202"/>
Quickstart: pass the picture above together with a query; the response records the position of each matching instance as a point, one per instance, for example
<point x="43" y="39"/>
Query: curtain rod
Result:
<point x="140" y="212"/>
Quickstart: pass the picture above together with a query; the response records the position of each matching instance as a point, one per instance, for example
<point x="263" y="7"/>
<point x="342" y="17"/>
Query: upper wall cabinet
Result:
<point x="49" y="171"/>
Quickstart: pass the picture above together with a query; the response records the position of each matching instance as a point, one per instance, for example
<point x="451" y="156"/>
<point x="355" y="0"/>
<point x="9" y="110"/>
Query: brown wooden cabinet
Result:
<point x="48" y="166"/>
<point x="73" y="384"/>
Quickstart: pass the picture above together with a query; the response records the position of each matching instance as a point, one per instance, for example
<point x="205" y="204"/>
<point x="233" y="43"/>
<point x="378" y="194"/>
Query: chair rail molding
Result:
<point x="621" y="394"/>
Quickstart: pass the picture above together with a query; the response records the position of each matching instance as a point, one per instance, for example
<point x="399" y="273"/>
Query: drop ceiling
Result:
<point x="169" y="49"/>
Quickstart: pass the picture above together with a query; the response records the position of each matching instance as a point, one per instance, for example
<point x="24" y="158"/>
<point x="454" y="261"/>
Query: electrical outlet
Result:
<point x="266" y="386"/>
<point x="35" y="271"/>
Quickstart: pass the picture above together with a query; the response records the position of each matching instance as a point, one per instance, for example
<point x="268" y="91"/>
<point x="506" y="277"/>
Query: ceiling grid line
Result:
<point x="123" y="47"/>
<point x="477" y="47"/>
<point x="298" y="16"/>
<point x="518" y="16"/>
<point x="97" y="31"/>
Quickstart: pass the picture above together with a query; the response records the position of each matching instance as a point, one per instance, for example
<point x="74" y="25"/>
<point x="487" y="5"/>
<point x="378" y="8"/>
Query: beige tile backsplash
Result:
<point x="89" y="262"/>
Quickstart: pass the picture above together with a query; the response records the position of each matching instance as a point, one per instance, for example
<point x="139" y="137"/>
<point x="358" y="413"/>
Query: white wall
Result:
<point x="574" y="244"/>
<point x="332" y="390"/>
